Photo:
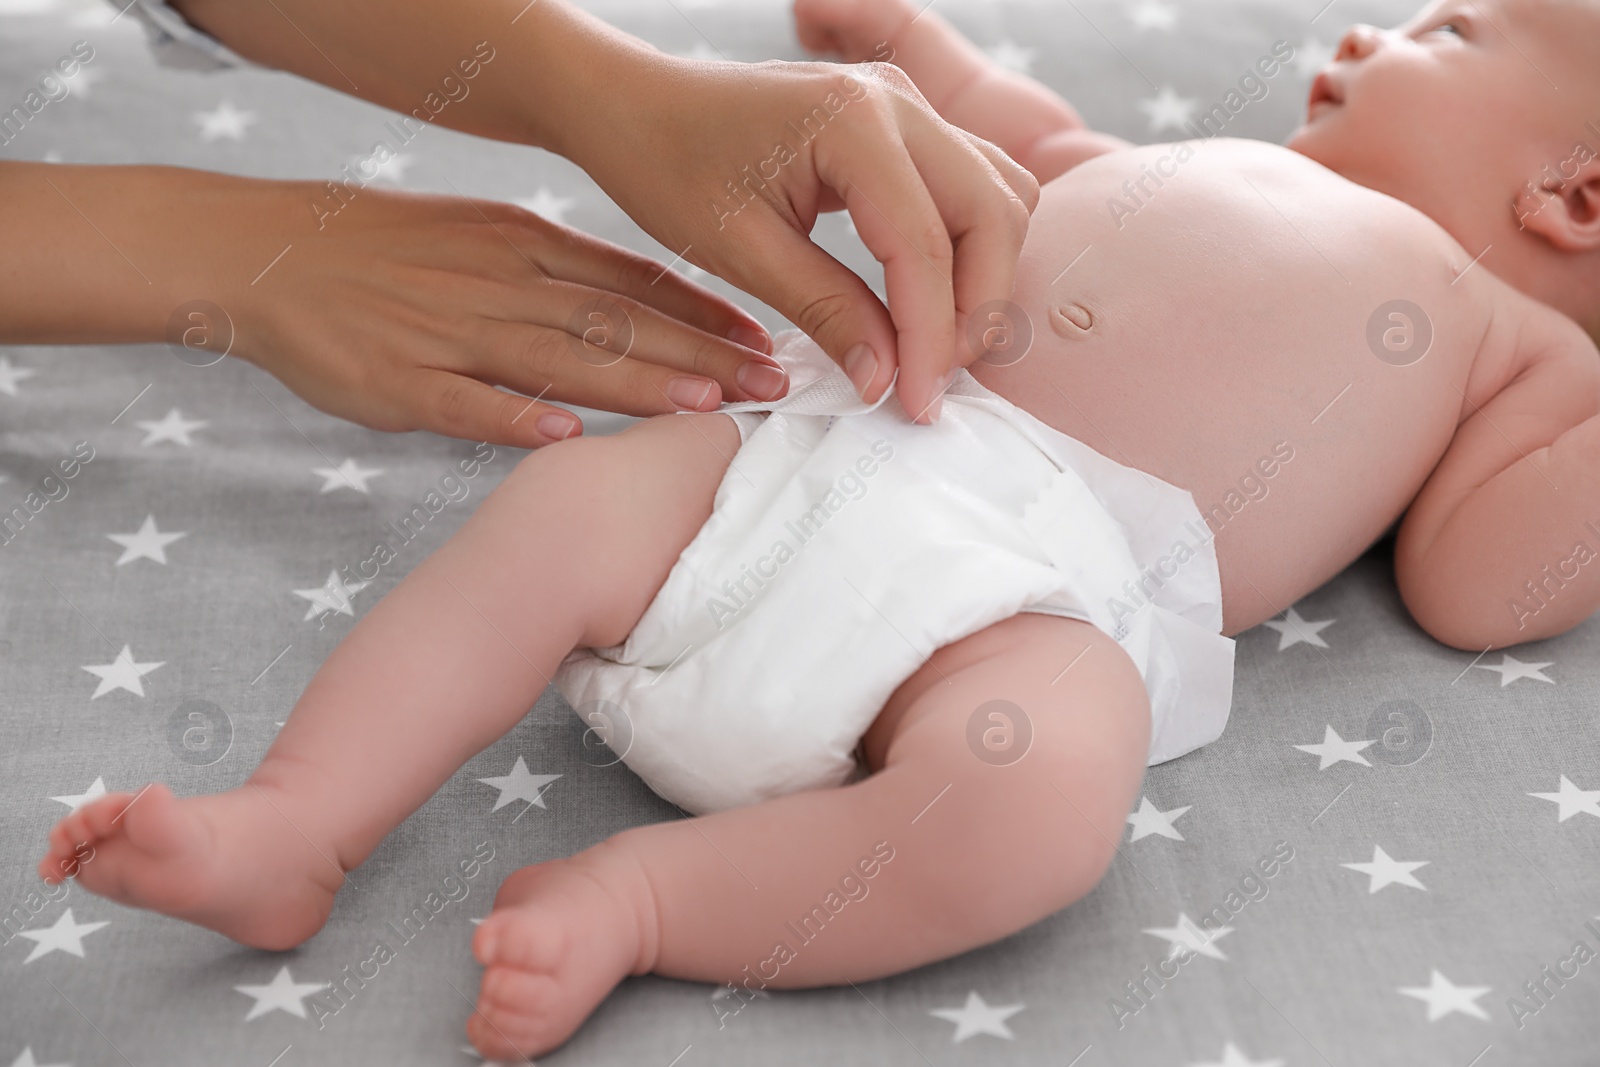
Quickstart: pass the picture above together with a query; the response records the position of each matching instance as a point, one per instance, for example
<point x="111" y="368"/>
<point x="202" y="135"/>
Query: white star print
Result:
<point x="334" y="596"/>
<point x="347" y="475"/>
<point x="1012" y="56"/>
<point x="1232" y="1057"/>
<point x="122" y="673"/>
<point x="170" y="427"/>
<point x="1168" y="109"/>
<point x="27" y="1060"/>
<point x="96" y="790"/>
<point x="1152" y="820"/>
<point x="1293" y="630"/>
<point x="10" y="375"/>
<point x="1385" y="871"/>
<point x="65" y="935"/>
<point x="1186" y="934"/>
<point x="977" y="1017"/>
<point x="392" y="170"/>
<point x="145" y="543"/>
<point x="518" y="784"/>
<point x="1443" y="997"/>
<point x="283" y="993"/>
<point x="226" y="121"/>
<point x="80" y="83"/>
<point x="1572" y="801"/>
<point x="1312" y="56"/>
<point x="547" y="204"/>
<point x="1153" y="15"/>
<point x="1510" y="669"/>
<point x="1335" y="749"/>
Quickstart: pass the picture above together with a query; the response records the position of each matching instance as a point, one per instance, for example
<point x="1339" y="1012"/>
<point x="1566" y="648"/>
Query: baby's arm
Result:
<point x="1032" y="124"/>
<point x="1499" y="547"/>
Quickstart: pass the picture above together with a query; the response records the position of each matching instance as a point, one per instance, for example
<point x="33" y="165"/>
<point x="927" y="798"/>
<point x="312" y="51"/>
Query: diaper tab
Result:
<point x="817" y="385"/>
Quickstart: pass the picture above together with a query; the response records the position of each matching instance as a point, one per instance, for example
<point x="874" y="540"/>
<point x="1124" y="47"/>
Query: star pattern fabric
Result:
<point x="1570" y="800"/>
<point x="96" y="790"/>
<point x="146" y="542"/>
<point x="1383" y="871"/>
<point x="226" y="121"/>
<point x="1443" y="997"/>
<point x="336" y="596"/>
<point x="1168" y="111"/>
<point x="66" y="934"/>
<point x="1335" y="749"/>
<point x="347" y="475"/>
<point x="1512" y="669"/>
<point x="1153" y="15"/>
<point x="1232" y="1057"/>
<point x="1293" y="630"/>
<point x="547" y="205"/>
<point x="519" y="784"/>
<point x="12" y="375"/>
<point x="1149" y="819"/>
<point x="172" y="427"/>
<point x="122" y="673"/>
<point x="977" y="1017"/>
<point x="191" y="552"/>
<point x="283" y="994"/>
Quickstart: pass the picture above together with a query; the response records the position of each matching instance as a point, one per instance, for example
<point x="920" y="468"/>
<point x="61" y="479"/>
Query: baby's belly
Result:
<point x="1231" y="333"/>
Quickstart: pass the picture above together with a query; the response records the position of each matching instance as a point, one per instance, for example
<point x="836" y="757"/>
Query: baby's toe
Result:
<point x="514" y="938"/>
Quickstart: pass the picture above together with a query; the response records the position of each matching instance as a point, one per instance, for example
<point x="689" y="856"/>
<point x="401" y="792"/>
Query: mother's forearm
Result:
<point x="531" y="72"/>
<point x="107" y="254"/>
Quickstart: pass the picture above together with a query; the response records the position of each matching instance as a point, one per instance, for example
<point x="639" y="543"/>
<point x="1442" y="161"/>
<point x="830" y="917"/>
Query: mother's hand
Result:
<point x="732" y="162"/>
<point x="402" y="312"/>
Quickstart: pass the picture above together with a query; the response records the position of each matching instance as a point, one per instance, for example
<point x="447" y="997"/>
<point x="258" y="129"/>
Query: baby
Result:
<point x="1230" y="368"/>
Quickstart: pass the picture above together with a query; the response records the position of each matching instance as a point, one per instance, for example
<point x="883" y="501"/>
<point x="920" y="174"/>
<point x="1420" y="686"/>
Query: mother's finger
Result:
<point x="459" y="406"/>
<point x="593" y="329"/>
<point x="987" y="221"/>
<point x="588" y="260"/>
<point x="889" y="201"/>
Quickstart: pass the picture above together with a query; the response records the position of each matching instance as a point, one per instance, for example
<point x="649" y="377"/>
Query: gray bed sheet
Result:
<point x="1440" y="812"/>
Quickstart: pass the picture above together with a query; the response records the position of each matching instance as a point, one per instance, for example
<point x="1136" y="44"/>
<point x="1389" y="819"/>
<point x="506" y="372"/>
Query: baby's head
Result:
<point x="1484" y="115"/>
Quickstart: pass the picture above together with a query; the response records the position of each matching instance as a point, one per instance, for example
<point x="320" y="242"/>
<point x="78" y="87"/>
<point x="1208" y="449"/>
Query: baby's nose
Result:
<point x="1358" y="42"/>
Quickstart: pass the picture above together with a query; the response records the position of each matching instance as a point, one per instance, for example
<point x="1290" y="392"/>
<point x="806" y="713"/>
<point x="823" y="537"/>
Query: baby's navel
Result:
<point x="1071" y="320"/>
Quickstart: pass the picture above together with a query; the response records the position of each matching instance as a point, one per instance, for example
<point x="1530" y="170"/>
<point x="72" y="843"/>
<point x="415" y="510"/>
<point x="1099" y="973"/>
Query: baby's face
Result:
<point x="1454" y="110"/>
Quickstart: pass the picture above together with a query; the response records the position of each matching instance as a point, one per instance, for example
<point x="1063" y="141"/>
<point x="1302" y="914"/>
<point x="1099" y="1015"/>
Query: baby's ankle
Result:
<point x="618" y="869"/>
<point x="302" y="801"/>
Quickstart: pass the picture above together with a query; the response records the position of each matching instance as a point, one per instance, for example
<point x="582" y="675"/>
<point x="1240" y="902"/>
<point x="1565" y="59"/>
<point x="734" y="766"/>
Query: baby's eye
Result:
<point x="1450" y="27"/>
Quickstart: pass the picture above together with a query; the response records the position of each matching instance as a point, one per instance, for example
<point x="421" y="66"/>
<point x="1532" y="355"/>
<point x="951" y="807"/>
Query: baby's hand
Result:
<point x="858" y="30"/>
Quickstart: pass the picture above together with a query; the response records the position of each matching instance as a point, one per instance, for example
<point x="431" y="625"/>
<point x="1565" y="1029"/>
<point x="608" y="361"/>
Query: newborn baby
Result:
<point x="1236" y="382"/>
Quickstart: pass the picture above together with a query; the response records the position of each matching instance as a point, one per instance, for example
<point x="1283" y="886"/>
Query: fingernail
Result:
<point x="556" y="424"/>
<point x="689" y="393"/>
<point x="861" y="364"/>
<point x="761" y="380"/>
<point x="751" y="337"/>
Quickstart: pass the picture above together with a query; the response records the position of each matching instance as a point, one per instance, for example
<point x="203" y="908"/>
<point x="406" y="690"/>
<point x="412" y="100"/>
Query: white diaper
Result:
<point x="846" y="544"/>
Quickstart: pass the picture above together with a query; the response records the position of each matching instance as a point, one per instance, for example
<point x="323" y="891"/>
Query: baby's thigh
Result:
<point x="1060" y="685"/>
<point x="642" y="496"/>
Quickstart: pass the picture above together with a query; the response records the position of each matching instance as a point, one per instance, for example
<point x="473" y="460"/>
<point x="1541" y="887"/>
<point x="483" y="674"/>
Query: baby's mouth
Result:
<point x="1324" y="91"/>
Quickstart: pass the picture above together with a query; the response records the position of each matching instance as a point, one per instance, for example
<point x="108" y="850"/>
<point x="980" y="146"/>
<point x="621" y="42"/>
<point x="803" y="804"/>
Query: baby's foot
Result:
<point x="858" y="30"/>
<point x="561" y="936"/>
<point x="231" y="862"/>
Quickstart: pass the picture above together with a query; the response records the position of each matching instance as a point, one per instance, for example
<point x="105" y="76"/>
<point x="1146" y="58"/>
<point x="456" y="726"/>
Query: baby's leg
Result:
<point x="568" y="551"/>
<point x="961" y="851"/>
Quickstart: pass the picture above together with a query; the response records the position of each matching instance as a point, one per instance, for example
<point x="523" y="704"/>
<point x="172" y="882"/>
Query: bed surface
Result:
<point x="1443" y="811"/>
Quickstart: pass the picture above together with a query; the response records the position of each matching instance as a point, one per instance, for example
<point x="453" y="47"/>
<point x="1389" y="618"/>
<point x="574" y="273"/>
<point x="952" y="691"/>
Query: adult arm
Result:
<point x="726" y="164"/>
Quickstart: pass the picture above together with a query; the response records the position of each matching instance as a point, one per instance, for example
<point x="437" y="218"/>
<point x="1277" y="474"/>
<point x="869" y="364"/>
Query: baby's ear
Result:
<point x="1568" y="215"/>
